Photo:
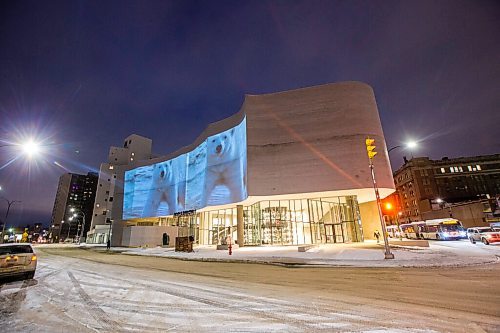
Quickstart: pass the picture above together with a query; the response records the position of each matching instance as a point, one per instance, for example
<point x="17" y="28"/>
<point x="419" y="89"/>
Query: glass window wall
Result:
<point x="284" y="222"/>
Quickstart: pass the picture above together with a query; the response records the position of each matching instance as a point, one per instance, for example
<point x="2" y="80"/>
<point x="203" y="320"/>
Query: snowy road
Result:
<point x="85" y="291"/>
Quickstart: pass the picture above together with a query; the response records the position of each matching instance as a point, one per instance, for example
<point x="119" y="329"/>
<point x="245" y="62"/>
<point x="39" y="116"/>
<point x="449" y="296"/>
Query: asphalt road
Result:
<point x="78" y="290"/>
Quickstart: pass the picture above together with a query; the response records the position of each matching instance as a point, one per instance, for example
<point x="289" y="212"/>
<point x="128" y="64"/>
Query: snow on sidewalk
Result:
<point x="367" y="254"/>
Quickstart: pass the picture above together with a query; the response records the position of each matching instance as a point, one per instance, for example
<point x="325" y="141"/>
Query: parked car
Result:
<point x="17" y="260"/>
<point x="487" y="235"/>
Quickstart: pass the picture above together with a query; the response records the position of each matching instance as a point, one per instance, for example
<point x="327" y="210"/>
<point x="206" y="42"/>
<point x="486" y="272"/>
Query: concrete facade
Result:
<point x="319" y="132"/>
<point x="150" y="236"/>
<point x="135" y="148"/>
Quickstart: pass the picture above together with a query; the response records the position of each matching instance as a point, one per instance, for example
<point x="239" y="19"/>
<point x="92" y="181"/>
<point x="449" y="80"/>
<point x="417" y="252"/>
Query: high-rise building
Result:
<point x="135" y="148"/>
<point x="420" y="182"/>
<point x="73" y="205"/>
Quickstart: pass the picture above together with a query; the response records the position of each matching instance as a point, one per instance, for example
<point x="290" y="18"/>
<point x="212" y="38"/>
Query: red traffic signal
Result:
<point x="388" y="208"/>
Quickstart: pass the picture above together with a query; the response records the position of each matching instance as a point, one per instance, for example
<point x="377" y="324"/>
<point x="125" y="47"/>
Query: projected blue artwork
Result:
<point x="214" y="173"/>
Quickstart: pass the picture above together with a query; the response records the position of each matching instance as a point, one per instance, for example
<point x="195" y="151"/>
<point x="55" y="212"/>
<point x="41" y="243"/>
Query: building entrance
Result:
<point x="334" y="233"/>
<point x="305" y="221"/>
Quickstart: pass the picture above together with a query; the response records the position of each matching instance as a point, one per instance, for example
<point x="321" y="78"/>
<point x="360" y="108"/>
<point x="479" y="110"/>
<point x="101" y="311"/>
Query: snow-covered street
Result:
<point x="78" y="290"/>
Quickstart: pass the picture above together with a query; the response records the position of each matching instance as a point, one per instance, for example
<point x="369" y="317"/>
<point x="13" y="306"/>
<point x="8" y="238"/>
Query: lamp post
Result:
<point x="29" y="148"/>
<point x="9" y="203"/>
<point x="69" y="228"/>
<point x="75" y="215"/>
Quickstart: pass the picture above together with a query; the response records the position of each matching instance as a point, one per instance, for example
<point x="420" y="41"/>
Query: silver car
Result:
<point x="17" y="260"/>
<point x="487" y="235"/>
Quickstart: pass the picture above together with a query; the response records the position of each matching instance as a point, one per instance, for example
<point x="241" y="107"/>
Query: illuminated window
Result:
<point x="451" y="169"/>
<point x="456" y="169"/>
<point x="469" y="168"/>
<point x="478" y="167"/>
<point x="443" y="170"/>
<point x="461" y="170"/>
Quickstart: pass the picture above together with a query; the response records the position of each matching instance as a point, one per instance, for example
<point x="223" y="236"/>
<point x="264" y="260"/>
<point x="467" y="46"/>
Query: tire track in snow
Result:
<point x="94" y="309"/>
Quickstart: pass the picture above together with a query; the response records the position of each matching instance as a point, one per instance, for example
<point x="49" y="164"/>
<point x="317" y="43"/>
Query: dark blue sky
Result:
<point x="85" y="74"/>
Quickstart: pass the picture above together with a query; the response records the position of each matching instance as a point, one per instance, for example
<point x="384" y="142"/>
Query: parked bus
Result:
<point x="393" y="231"/>
<point x="441" y="229"/>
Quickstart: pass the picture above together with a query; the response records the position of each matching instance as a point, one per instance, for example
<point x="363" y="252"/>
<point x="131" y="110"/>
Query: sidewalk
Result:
<point x="367" y="254"/>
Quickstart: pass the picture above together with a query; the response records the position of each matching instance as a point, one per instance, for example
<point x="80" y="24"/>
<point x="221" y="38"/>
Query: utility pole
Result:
<point x="370" y="148"/>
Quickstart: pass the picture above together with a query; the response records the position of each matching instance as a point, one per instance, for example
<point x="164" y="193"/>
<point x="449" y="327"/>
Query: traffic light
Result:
<point x="388" y="207"/>
<point x="370" y="148"/>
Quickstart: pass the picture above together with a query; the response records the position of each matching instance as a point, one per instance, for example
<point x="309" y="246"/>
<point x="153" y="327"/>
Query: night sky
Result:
<point x="80" y="76"/>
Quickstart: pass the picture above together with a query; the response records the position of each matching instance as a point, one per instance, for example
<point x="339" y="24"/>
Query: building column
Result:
<point x="240" y="225"/>
<point x="203" y="230"/>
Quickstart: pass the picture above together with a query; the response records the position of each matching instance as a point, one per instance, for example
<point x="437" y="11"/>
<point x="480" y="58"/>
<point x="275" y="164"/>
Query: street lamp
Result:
<point x="75" y="215"/>
<point x="410" y="144"/>
<point x="9" y="203"/>
<point x="29" y="148"/>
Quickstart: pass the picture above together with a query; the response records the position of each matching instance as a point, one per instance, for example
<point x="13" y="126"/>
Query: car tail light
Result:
<point x="33" y="258"/>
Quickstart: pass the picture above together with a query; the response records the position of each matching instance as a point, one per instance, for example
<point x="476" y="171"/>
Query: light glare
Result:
<point x="31" y="148"/>
<point x="412" y="144"/>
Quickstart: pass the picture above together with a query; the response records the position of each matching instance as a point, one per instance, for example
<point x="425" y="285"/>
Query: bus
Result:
<point x="393" y="231"/>
<point x="440" y="229"/>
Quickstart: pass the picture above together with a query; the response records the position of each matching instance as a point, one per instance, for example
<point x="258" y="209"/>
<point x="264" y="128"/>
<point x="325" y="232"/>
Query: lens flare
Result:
<point x="412" y="144"/>
<point x="31" y="148"/>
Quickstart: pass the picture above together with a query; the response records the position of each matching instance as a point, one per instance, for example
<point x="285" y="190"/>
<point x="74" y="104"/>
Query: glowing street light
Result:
<point x="410" y="145"/>
<point x="76" y="212"/>
<point x="31" y="148"/>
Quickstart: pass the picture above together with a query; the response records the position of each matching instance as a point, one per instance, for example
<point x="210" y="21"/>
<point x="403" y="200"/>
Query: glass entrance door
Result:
<point x="334" y="233"/>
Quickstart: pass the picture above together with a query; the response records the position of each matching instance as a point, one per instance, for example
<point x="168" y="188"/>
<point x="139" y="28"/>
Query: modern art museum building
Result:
<point x="289" y="168"/>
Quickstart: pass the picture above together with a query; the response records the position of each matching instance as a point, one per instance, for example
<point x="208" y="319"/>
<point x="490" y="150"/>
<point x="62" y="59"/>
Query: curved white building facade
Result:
<point x="288" y="168"/>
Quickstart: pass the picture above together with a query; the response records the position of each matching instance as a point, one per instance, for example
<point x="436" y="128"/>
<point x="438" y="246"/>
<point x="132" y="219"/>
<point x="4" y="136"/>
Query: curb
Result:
<point x="296" y="264"/>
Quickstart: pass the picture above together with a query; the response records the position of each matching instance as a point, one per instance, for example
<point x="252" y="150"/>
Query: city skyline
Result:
<point x="82" y="82"/>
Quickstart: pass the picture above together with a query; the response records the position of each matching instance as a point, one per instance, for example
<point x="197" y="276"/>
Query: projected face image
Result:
<point x="214" y="173"/>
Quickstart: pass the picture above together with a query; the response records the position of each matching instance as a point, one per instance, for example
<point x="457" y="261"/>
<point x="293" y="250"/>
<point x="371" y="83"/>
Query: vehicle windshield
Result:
<point x="451" y="227"/>
<point x="15" y="249"/>
<point x="486" y="230"/>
